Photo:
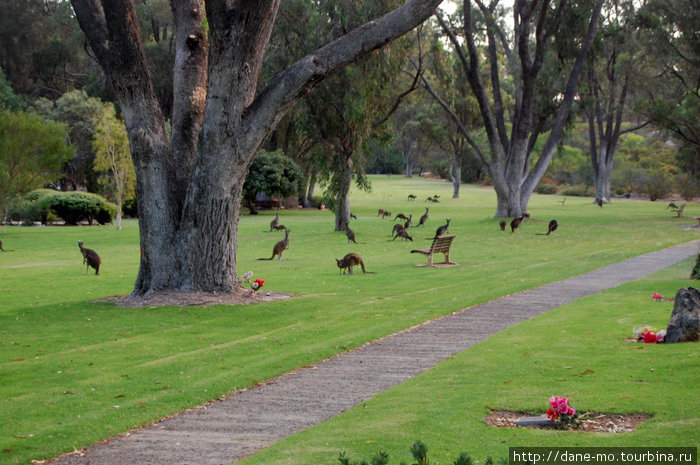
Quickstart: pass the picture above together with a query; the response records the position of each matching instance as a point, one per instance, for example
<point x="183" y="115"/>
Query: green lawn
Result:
<point x="74" y="371"/>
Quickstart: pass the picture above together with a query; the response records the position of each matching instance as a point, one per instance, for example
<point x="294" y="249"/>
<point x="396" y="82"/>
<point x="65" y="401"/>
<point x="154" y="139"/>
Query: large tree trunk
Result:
<point x="189" y="188"/>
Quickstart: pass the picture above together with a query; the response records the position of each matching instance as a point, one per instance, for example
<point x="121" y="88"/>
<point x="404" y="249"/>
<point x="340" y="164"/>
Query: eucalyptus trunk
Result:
<point x="189" y="186"/>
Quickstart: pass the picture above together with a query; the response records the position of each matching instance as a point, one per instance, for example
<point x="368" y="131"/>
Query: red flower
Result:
<point x="650" y="338"/>
<point x="551" y="414"/>
<point x="258" y="283"/>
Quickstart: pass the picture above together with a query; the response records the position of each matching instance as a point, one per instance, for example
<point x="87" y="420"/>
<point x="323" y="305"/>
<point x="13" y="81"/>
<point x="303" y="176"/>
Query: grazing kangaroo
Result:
<point x="408" y="222"/>
<point x="442" y="230"/>
<point x="515" y="224"/>
<point x="275" y="221"/>
<point x="385" y="214"/>
<point x="350" y="233"/>
<point x="380" y="212"/>
<point x="411" y="197"/>
<point x="599" y="202"/>
<point x="397" y="227"/>
<point x="352" y="216"/>
<point x="553" y="225"/>
<point x="400" y="216"/>
<point x="280" y="227"/>
<point x="348" y="261"/>
<point x="424" y="218"/>
<point x="91" y="258"/>
<point x="502" y="224"/>
<point x="280" y="247"/>
<point x="403" y="234"/>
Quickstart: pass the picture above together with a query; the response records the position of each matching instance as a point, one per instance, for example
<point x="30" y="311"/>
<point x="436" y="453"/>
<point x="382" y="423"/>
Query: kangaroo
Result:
<point x="280" y="227"/>
<point x="380" y="212"/>
<point x="424" y="218"/>
<point x="386" y="213"/>
<point x="280" y="247"/>
<point x="275" y="221"/>
<point x="672" y="206"/>
<point x="515" y="223"/>
<point x="91" y="258"/>
<point x="442" y="230"/>
<point x="502" y="224"/>
<point x="411" y="197"/>
<point x="553" y="225"/>
<point x="350" y="233"/>
<point x="1" y="249"/>
<point x="408" y="222"/>
<point x="348" y="261"/>
<point x="403" y="235"/>
<point x="353" y="216"/>
<point x="397" y="227"/>
<point x="400" y="216"/>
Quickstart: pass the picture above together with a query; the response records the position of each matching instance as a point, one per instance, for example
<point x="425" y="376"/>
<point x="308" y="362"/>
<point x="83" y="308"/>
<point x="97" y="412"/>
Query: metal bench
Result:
<point x="441" y="244"/>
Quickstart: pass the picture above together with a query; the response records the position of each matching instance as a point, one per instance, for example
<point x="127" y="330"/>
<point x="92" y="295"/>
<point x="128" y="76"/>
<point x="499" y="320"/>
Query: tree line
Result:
<point x="498" y="88"/>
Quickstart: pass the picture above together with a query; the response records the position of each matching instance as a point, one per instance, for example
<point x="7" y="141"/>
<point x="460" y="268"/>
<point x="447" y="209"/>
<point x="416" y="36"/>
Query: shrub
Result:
<point x="695" y="274"/>
<point x="546" y="189"/>
<point x="74" y="207"/>
<point x="130" y="208"/>
<point x="28" y="207"/>
<point x="573" y="191"/>
<point x="419" y="451"/>
<point x="658" y="186"/>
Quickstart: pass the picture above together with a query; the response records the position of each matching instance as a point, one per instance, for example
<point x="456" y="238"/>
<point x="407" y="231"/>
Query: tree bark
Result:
<point x="189" y="188"/>
<point x="342" y="203"/>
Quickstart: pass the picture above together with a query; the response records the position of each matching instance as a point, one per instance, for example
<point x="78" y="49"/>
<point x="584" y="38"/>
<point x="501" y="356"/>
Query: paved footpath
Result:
<point x="227" y="430"/>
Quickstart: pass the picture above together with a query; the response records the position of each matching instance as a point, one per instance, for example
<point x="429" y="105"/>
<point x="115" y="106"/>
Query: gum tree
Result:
<point x="189" y="185"/>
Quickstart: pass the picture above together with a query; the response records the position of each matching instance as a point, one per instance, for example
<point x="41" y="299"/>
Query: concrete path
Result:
<point x="230" y="429"/>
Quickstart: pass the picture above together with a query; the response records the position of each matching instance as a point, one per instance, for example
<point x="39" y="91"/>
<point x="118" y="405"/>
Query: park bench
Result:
<point x="441" y="244"/>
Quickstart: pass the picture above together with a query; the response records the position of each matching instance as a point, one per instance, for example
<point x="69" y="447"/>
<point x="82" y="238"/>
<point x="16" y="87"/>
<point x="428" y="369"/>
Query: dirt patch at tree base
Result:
<point x="198" y="298"/>
<point x="595" y="422"/>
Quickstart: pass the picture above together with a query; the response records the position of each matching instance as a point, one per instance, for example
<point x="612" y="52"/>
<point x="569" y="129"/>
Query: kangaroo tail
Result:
<point x="362" y="265"/>
<point x="267" y="258"/>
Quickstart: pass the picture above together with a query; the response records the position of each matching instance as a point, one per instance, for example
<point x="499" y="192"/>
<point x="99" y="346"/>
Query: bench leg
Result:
<point x="430" y="260"/>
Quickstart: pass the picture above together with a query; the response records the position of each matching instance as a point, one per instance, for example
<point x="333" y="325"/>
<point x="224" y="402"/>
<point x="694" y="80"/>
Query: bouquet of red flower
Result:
<point x="256" y="285"/>
<point x="562" y="414"/>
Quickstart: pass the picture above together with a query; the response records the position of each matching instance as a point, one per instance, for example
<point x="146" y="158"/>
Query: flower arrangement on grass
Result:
<point x="562" y="414"/>
<point x="656" y="297"/>
<point x="649" y="335"/>
<point x="256" y="285"/>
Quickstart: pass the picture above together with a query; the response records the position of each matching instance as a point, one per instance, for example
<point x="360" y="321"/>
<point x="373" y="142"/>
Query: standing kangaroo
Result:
<point x="348" y="261"/>
<point x="442" y="230"/>
<point x="350" y="233"/>
<point x="502" y="224"/>
<point x="275" y="221"/>
<point x="91" y="258"/>
<point x="408" y="222"/>
<point x="423" y="218"/>
<point x="280" y="247"/>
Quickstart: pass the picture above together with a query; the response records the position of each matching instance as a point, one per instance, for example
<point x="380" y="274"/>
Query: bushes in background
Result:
<point x="73" y="207"/>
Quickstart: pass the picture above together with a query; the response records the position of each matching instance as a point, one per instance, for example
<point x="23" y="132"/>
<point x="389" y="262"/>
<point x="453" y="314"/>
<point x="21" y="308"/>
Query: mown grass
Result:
<point x="578" y="350"/>
<point x="74" y="371"/>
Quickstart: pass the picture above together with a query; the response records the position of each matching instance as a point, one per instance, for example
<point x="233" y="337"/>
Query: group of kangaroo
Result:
<point x="92" y="259"/>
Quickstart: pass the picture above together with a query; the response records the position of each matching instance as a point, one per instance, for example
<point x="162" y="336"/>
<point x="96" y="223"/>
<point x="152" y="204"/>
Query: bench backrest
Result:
<point x="442" y="243"/>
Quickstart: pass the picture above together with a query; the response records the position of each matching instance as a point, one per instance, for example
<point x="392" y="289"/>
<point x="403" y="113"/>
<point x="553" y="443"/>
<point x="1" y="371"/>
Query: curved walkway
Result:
<point x="227" y="430"/>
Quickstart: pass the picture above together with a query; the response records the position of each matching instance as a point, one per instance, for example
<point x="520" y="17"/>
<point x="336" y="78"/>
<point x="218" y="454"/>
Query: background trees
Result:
<point x="32" y="152"/>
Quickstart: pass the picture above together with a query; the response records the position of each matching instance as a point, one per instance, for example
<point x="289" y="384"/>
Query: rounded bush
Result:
<point x="546" y="189"/>
<point x="74" y="207"/>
